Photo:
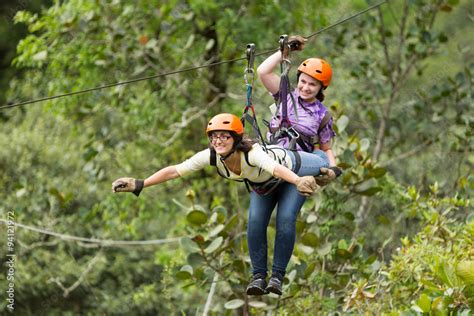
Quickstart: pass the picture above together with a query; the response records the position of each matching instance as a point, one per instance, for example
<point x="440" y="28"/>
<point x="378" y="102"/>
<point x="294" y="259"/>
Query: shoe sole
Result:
<point x="256" y="291"/>
<point x="273" y="290"/>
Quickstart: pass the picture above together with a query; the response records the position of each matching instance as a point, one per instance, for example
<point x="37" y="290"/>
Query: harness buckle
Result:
<point x="292" y="133"/>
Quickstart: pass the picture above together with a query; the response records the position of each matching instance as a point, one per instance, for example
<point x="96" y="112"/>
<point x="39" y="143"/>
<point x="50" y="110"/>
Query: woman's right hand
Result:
<point x="296" y="42"/>
<point x="128" y="185"/>
<point x="306" y="185"/>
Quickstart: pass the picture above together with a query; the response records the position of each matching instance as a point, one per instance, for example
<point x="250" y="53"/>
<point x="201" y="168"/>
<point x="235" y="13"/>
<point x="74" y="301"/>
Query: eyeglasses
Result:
<point x="223" y="138"/>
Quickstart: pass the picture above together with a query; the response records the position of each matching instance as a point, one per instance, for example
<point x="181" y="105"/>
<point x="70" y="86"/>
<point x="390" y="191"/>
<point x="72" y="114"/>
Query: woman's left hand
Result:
<point x="327" y="175"/>
<point x="128" y="185"/>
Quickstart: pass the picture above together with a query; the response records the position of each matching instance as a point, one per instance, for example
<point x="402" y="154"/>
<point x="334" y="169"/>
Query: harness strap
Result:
<point x="304" y="141"/>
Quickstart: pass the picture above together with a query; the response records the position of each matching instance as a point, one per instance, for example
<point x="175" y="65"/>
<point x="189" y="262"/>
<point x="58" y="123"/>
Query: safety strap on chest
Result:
<point x="304" y="141"/>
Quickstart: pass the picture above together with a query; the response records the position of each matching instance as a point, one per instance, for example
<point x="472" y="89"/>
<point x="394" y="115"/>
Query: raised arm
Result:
<point x="270" y="80"/>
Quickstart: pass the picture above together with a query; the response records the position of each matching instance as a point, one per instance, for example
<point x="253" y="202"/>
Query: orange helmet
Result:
<point x="225" y="122"/>
<point x="317" y="68"/>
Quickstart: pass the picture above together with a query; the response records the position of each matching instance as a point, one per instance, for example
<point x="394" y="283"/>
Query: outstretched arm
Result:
<point x="165" y="174"/>
<point x="136" y="185"/>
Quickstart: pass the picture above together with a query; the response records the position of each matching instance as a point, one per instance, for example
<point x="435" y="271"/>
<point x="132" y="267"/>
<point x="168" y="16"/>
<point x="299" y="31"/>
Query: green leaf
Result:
<point x="195" y="259"/>
<point x="370" y="191"/>
<point x="185" y="272"/>
<point x="300" y="226"/>
<point x="215" y="244"/>
<point x="424" y="303"/>
<point x="196" y="217"/>
<point x="342" y="123"/>
<point x="40" y="56"/>
<point x="309" y="270"/>
<point x="310" y="239"/>
<point x="465" y="270"/>
<point x="377" y="172"/>
<point x="231" y="223"/>
<point x="325" y="249"/>
<point x="342" y="244"/>
<point x="188" y="244"/>
<point x="216" y="230"/>
<point x="470" y="218"/>
<point x="234" y="304"/>
<point x="258" y="304"/>
<point x="442" y="272"/>
<point x="364" y="144"/>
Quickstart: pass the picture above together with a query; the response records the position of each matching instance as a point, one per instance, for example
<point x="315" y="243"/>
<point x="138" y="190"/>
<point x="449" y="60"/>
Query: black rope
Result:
<point x="181" y="70"/>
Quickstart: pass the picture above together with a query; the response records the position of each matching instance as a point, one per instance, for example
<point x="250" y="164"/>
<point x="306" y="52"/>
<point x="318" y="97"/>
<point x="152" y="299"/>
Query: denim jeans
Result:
<point x="288" y="203"/>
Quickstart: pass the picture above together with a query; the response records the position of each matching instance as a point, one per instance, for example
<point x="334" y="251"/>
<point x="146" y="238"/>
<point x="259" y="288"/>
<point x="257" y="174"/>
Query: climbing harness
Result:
<point x="271" y="184"/>
<point x="285" y="128"/>
<point x="261" y="188"/>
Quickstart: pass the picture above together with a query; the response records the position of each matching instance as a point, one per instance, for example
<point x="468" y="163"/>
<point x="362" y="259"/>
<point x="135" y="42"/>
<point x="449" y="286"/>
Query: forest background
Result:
<point x="394" y="235"/>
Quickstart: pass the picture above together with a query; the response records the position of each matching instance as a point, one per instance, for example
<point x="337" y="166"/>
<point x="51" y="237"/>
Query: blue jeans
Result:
<point x="288" y="202"/>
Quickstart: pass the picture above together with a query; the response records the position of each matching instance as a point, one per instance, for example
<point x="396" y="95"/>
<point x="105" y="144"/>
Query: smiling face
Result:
<point x="222" y="142"/>
<point x="308" y="87"/>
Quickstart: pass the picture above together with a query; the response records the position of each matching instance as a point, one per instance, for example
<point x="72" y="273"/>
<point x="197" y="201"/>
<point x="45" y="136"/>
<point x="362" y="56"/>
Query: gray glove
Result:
<point x="128" y="185"/>
<point x="296" y="42"/>
<point x="327" y="175"/>
<point x="306" y="185"/>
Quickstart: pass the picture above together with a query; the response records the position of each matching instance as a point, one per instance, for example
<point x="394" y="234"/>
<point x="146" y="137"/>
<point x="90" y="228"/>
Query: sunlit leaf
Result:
<point x="424" y="303"/>
<point x="325" y="249"/>
<point x="216" y="230"/>
<point x="234" y="304"/>
<point x="215" y="244"/>
<point x="342" y="123"/>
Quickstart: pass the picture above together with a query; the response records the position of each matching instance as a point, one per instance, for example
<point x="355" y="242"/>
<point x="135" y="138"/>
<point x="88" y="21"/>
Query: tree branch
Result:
<point x="385" y="46"/>
<point x="211" y="294"/>
<point x="187" y="118"/>
<point x="81" y="278"/>
<point x="407" y="154"/>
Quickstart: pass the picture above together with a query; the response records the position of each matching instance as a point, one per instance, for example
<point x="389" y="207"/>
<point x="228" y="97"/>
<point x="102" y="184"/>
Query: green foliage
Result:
<point x="393" y="235"/>
<point x="425" y="274"/>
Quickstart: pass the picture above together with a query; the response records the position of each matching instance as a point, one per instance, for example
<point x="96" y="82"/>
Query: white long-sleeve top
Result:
<point x="262" y="164"/>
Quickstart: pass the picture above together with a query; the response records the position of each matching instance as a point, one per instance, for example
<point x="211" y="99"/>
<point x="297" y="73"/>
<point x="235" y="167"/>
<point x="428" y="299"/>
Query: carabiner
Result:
<point x="284" y="47"/>
<point x="250" y="61"/>
<point x="250" y="55"/>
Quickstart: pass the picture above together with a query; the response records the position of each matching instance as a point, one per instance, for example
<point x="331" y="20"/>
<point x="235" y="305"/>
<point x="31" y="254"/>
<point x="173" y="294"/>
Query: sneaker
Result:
<point x="275" y="283"/>
<point x="257" y="285"/>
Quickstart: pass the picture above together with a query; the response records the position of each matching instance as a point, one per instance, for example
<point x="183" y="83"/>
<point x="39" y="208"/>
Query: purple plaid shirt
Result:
<point x="310" y="116"/>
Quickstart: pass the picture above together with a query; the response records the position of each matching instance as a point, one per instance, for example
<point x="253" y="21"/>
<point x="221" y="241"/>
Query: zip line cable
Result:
<point x="182" y="70"/>
<point x="95" y="241"/>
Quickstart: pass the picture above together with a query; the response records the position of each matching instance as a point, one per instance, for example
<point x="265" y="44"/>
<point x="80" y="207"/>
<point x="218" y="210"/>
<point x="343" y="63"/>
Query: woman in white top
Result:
<point x="240" y="159"/>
